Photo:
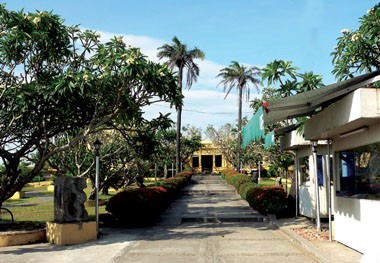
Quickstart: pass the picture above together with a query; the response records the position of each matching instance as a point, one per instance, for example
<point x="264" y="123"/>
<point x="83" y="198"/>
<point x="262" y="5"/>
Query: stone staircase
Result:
<point x="209" y="199"/>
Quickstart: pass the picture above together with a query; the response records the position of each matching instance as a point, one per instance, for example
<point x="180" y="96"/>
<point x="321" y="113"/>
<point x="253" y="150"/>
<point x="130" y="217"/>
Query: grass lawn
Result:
<point x="272" y="182"/>
<point x="42" y="209"/>
<point x="267" y="182"/>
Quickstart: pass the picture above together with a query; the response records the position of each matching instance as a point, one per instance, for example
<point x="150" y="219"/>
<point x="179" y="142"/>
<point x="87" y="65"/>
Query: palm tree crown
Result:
<point x="278" y="69"/>
<point x="180" y="56"/>
<point x="309" y="81"/>
<point x="239" y="76"/>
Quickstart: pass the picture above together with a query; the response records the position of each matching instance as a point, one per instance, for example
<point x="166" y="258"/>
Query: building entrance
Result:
<point x="206" y="162"/>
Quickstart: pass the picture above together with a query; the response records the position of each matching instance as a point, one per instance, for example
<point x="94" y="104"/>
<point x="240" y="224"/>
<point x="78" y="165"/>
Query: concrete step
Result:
<point x="208" y="192"/>
<point x="222" y="219"/>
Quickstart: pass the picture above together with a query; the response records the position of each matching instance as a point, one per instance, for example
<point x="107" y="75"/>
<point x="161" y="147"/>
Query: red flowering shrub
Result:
<point x="267" y="199"/>
<point x="226" y="174"/>
<point x="185" y="174"/>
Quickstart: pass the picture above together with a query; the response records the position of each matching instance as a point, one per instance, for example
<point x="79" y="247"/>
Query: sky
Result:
<point x="251" y="32"/>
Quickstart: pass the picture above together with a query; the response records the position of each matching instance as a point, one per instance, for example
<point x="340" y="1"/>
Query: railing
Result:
<point x="5" y="215"/>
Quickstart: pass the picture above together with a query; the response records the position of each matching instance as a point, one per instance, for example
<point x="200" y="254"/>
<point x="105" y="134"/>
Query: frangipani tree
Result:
<point x="358" y="51"/>
<point x="57" y="79"/>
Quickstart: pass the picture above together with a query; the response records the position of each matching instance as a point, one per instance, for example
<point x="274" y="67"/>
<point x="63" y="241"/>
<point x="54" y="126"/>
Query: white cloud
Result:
<point x="147" y="45"/>
<point x="204" y="103"/>
<point x="204" y="107"/>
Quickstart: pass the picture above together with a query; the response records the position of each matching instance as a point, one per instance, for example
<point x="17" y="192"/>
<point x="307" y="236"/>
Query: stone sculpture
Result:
<point x="69" y="199"/>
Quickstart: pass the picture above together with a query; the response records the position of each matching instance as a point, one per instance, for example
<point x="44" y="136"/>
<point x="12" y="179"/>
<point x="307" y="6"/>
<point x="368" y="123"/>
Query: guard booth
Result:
<point x="346" y="115"/>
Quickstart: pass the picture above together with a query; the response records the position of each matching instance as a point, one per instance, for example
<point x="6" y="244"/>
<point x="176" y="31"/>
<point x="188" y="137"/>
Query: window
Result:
<point x="304" y="170"/>
<point x="359" y="172"/>
<point x="218" y="161"/>
<point x="195" y="161"/>
<point x="320" y="169"/>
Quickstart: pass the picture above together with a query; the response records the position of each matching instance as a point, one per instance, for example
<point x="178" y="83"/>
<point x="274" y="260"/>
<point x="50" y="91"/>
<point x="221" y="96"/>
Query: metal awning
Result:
<point x="254" y="130"/>
<point x="307" y="103"/>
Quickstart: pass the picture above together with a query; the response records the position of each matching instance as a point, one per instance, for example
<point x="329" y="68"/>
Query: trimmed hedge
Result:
<point x="142" y="206"/>
<point x="267" y="199"/>
<point x="264" y="199"/>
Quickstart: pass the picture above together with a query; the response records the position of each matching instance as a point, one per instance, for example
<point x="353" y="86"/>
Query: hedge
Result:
<point x="264" y="199"/>
<point x="267" y="199"/>
<point x="142" y="206"/>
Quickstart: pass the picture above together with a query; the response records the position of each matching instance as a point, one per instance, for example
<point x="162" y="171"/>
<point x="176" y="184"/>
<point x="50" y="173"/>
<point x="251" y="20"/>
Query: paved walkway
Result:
<point x="209" y="223"/>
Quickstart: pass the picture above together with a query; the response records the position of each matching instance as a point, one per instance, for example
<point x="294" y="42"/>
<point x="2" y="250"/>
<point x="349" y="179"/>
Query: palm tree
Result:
<point x="277" y="69"/>
<point x="178" y="55"/>
<point x="309" y="81"/>
<point x="239" y="77"/>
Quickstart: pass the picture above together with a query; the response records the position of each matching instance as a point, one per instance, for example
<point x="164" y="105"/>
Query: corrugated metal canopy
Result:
<point x="306" y="103"/>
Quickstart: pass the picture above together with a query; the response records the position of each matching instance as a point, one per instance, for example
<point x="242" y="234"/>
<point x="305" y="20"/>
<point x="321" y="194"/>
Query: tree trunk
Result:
<point x="239" y="128"/>
<point x="178" y="140"/>
<point x="179" y="119"/>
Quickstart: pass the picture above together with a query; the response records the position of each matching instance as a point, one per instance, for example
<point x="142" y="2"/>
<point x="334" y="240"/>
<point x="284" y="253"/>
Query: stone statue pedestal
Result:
<point x="63" y="234"/>
<point x="70" y="225"/>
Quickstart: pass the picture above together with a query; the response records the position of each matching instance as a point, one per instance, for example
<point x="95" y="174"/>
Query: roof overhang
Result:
<point x="352" y="114"/>
<point x="292" y="141"/>
<point x="308" y="103"/>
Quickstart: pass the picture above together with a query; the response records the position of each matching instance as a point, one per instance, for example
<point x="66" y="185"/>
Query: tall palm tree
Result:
<point x="178" y="55"/>
<point x="239" y="77"/>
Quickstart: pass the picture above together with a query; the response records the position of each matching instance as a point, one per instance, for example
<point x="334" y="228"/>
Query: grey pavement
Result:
<point x="208" y="223"/>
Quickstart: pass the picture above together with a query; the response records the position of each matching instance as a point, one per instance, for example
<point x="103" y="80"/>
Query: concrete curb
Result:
<point x="310" y="247"/>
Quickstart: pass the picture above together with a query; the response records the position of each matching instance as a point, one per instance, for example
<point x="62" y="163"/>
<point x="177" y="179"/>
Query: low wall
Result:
<point x="357" y="222"/>
<point x="16" y="238"/>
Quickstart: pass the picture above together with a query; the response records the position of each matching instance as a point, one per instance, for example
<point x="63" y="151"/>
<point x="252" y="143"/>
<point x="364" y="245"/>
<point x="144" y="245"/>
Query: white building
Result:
<point x="353" y="125"/>
<point x="347" y="114"/>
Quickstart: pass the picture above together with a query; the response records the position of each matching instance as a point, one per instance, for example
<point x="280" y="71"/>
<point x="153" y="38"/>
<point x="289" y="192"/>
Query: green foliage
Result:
<point x="245" y="188"/>
<point x="267" y="199"/>
<point x="264" y="199"/>
<point x="138" y="205"/>
<point x="38" y="178"/>
<point x="358" y="51"/>
<point x="141" y="206"/>
<point x="51" y="72"/>
<point x="289" y="81"/>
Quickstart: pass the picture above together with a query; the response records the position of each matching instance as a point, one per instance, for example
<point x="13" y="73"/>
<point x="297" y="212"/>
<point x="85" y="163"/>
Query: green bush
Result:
<point x="239" y="180"/>
<point x="142" y="206"/>
<point x="245" y="188"/>
<point x="38" y="178"/>
<point x="267" y="199"/>
<point x="226" y="174"/>
<point x="137" y="206"/>
<point x="264" y="199"/>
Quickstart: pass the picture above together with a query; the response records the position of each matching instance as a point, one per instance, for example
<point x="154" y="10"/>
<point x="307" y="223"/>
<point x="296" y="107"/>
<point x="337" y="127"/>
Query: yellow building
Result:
<point x="209" y="159"/>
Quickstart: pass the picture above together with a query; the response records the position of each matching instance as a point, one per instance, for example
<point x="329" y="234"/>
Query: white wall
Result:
<point x="357" y="223"/>
<point x="307" y="191"/>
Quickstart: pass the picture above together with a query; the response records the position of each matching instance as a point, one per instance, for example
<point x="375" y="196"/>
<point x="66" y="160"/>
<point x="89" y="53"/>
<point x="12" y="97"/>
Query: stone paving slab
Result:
<point x="175" y="240"/>
<point x="244" y="242"/>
